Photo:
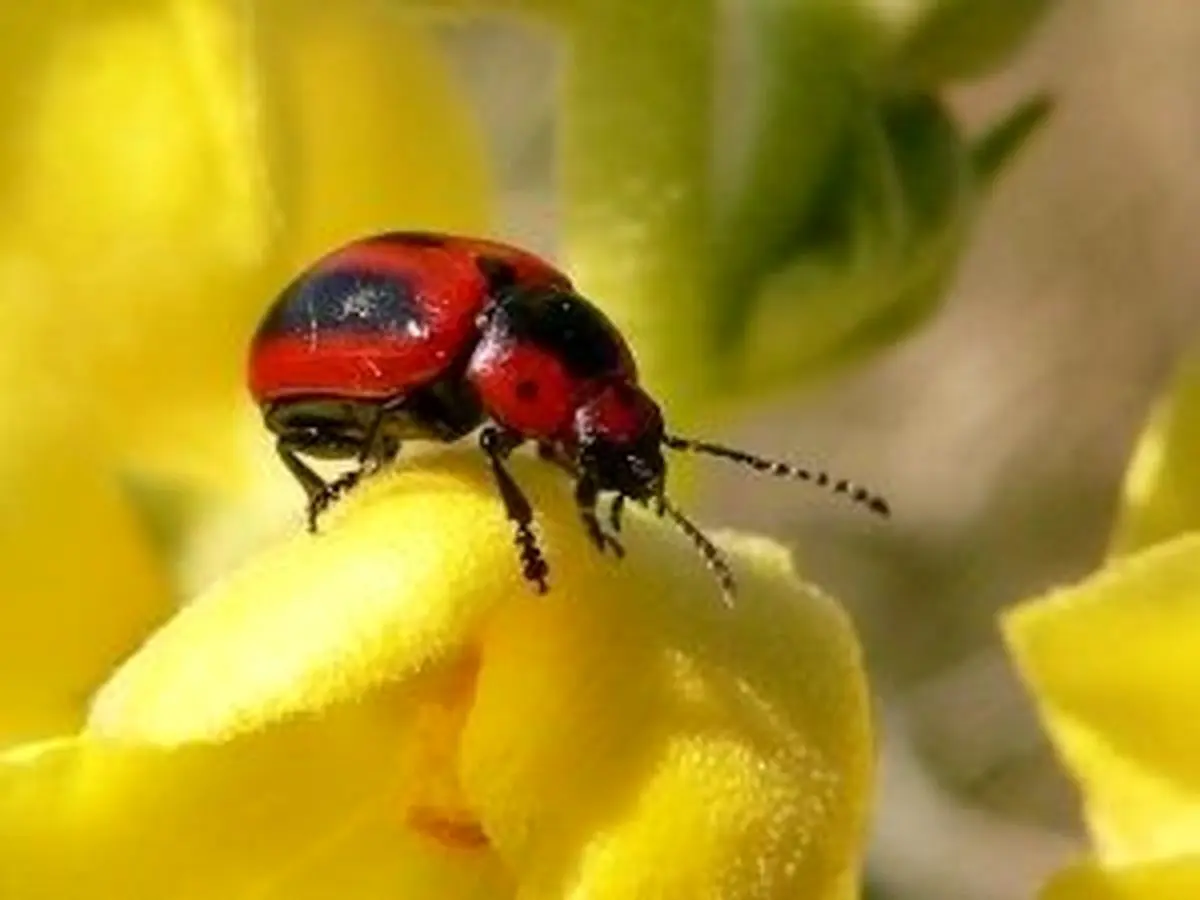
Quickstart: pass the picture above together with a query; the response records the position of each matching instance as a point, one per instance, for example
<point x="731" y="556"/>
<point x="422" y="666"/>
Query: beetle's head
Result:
<point x="619" y="436"/>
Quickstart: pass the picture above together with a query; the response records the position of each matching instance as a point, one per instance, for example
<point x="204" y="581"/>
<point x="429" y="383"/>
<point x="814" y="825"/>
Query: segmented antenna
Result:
<point x="713" y="557"/>
<point x="857" y="493"/>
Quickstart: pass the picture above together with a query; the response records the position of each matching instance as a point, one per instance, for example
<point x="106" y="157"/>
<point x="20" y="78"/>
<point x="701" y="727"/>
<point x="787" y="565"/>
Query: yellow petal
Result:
<point x="1162" y="485"/>
<point x="1177" y="879"/>
<point x="650" y="723"/>
<point x="172" y="163"/>
<point x="1114" y="665"/>
<point x="322" y="619"/>
<point x="81" y="588"/>
<point x="625" y="718"/>
<point x="302" y="811"/>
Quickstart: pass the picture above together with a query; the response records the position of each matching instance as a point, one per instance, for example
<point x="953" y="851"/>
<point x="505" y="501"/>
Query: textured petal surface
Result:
<point x="399" y="577"/>
<point x="1114" y="664"/>
<point x="626" y="718"/>
<point x="306" y="810"/>
<point x="734" y="743"/>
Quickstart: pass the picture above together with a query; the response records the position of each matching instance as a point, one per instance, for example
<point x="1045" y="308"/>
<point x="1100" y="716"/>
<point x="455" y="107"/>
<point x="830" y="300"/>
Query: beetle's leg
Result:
<point x="379" y="447"/>
<point x="313" y="484"/>
<point x="374" y="451"/>
<point x="585" y="497"/>
<point x="368" y="453"/>
<point x="498" y="445"/>
<point x="319" y="492"/>
<point x="614" y="512"/>
<point x="335" y="489"/>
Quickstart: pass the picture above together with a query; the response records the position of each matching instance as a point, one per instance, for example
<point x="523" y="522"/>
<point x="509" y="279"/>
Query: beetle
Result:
<point x="411" y="335"/>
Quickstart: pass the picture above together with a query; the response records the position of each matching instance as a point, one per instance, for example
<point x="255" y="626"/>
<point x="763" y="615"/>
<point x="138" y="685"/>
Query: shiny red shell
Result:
<point x="382" y="315"/>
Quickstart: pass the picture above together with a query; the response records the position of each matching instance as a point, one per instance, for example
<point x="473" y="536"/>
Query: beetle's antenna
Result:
<point x="713" y="557"/>
<point x="856" y="492"/>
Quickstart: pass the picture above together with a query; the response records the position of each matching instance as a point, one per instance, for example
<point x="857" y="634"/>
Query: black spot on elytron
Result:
<point x="500" y="274"/>
<point x="345" y="300"/>
<point x="527" y="391"/>
<point x="564" y="324"/>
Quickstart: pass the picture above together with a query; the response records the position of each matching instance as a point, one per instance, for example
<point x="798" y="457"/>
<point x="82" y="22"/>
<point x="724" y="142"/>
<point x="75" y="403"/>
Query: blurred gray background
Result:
<point x="1000" y="431"/>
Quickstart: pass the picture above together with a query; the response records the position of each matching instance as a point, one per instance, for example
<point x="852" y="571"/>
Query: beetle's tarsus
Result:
<point x="498" y="444"/>
<point x="332" y="492"/>
<point x="615" y="510"/>
<point x="586" y="494"/>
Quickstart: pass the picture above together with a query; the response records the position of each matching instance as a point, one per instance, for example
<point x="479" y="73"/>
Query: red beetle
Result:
<point x="410" y="335"/>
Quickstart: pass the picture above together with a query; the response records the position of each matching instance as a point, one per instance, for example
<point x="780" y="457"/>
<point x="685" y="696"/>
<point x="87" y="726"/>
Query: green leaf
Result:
<point x="823" y="222"/>
<point x="815" y="61"/>
<point x="939" y="41"/>
<point x="997" y="147"/>
<point x="874" y="257"/>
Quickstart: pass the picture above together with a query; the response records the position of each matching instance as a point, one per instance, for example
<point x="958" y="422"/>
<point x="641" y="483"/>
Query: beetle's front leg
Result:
<point x="586" y="495"/>
<point x="498" y="444"/>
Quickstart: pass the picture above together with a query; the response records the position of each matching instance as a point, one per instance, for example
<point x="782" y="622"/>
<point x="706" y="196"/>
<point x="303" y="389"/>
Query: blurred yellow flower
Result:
<point x="1114" y="666"/>
<point x="81" y="586"/>
<point x="166" y="165"/>
<point x="386" y="707"/>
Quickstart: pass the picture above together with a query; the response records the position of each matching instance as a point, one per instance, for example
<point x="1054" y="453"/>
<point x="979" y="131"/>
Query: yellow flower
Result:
<point x="1114" y="665"/>
<point x="166" y="165"/>
<point x="1162" y="485"/>
<point x="81" y="587"/>
<point x="386" y="709"/>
